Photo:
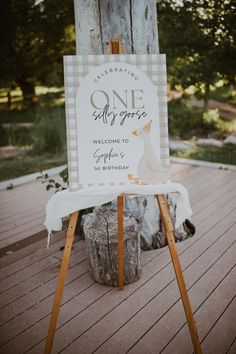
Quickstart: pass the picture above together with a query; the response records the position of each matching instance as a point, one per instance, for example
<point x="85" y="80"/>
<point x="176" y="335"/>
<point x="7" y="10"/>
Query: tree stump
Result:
<point x="100" y="230"/>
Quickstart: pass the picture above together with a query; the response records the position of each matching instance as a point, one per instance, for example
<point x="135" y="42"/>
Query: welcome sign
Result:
<point x="116" y="119"/>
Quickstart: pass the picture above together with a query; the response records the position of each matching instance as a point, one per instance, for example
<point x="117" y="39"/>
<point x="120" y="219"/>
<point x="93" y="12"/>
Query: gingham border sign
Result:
<point x="97" y="151"/>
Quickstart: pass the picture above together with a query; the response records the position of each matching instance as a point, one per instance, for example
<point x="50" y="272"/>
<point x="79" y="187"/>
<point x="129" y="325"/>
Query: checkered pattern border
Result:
<point x="78" y="66"/>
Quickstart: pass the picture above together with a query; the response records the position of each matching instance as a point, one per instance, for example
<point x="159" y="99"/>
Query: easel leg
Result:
<point x="61" y="282"/>
<point x="168" y="226"/>
<point x="120" y="207"/>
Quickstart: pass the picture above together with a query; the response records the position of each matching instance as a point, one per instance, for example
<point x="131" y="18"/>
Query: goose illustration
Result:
<point x="150" y="170"/>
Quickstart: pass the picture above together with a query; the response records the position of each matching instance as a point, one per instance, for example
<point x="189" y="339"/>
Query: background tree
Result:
<point x="33" y="37"/>
<point x="199" y="39"/>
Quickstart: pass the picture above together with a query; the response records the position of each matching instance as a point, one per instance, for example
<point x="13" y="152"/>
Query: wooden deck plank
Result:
<point x="177" y="174"/>
<point x="174" y="319"/>
<point x="209" y="178"/>
<point x="34" y="254"/>
<point x="22" y="212"/>
<point x="27" y="189"/>
<point x="209" y="188"/>
<point x="30" y="224"/>
<point x="24" y="202"/>
<point x="223" y="333"/>
<point x="206" y="315"/>
<point x="87" y="305"/>
<point x="225" y="198"/>
<point x="126" y="335"/>
<point x="38" y="296"/>
<point x="7" y="227"/>
<point x="36" y="280"/>
<point x="23" y="209"/>
<point x="42" y="292"/>
<point x="232" y="347"/>
<point x="82" y="321"/>
<point x="84" y="283"/>
<point x="224" y="187"/>
<point x="22" y="275"/>
<point x="27" y="251"/>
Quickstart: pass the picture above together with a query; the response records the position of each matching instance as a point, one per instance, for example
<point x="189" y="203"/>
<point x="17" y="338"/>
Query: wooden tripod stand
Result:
<point x="115" y="47"/>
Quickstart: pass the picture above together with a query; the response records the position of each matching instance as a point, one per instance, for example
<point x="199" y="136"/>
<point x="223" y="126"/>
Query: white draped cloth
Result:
<point x="63" y="203"/>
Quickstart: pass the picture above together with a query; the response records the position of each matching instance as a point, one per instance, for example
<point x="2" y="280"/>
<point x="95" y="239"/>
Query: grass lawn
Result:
<point x="225" y="154"/>
<point x="47" y="98"/>
<point x="29" y="164"/>
<point x="189" y="122"/>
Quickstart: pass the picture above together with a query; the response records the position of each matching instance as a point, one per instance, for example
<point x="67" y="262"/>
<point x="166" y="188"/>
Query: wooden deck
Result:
<point x="147" y="316"/>
<point x="22" y="215"/>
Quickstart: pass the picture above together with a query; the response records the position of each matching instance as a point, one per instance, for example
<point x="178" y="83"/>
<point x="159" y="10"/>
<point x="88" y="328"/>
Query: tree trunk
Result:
<point x="135" y="22"/>
<point x="9" y="99"/>
<point x="28" y="90"/>
<point x="206" y="97"/>
<point x="100" y="230"/>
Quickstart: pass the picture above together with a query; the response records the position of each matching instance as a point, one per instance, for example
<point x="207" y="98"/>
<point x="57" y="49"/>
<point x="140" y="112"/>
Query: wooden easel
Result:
<point x="115" y="47"/>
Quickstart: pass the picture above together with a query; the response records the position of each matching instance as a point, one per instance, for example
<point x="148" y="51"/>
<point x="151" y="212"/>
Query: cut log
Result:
<point x="100" y="230"/>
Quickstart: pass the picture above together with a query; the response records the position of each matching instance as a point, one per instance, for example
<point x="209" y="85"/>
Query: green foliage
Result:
<point x="49" y="131"/>
<point x="3" y="136"/>
<point x="225" y="154"/>
<point x="25" y="115"/>
<point x="224" y="94"/>
<point x="186" y="122"/>
<point x="199" y="40"/>
<point x="34" y="35"/>
<point x="211" y="118"/>
<point x="12" y="134"/>
<point x="28" y="164"/>
<point x="64" y="175"/>
<point x="51" y="183"/>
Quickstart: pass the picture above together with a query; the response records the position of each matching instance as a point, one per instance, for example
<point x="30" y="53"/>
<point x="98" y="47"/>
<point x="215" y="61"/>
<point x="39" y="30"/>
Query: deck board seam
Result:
<point x="52" y="293"/>
<point x="234" y="297"/>
<point x="231" y="345"/>
<point x="197" y="309"/>
<point x="43" y="270"/>
<point x="209" y="215"/>
<point x="18" y="334"/>
<point x="133" y="291"/>
<point x="217" y="195"/>
<point x="137" y="289"/>
<point x="55" y="242"/>
<point x="51" y="254"/>
<point x="192" y="285"/>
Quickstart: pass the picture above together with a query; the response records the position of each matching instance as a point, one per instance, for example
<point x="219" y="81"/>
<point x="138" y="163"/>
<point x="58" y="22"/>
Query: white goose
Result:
<point x="150" y="170"/>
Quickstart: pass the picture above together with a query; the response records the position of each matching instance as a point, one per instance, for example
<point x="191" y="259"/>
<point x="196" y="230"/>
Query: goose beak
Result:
<point x="135" y="133"/>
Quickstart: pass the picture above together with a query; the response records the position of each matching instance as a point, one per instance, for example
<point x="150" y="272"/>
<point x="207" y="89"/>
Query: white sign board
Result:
<point x="114" y="119"/>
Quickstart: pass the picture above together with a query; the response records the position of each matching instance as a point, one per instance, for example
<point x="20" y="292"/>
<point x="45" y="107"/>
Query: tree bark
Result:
<point x="27" y="89"/>
<point x="206" y="96"/>
<point x="9" y="99"/>
<point x="100" y="230"/>
<point x="135" y="22"/>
